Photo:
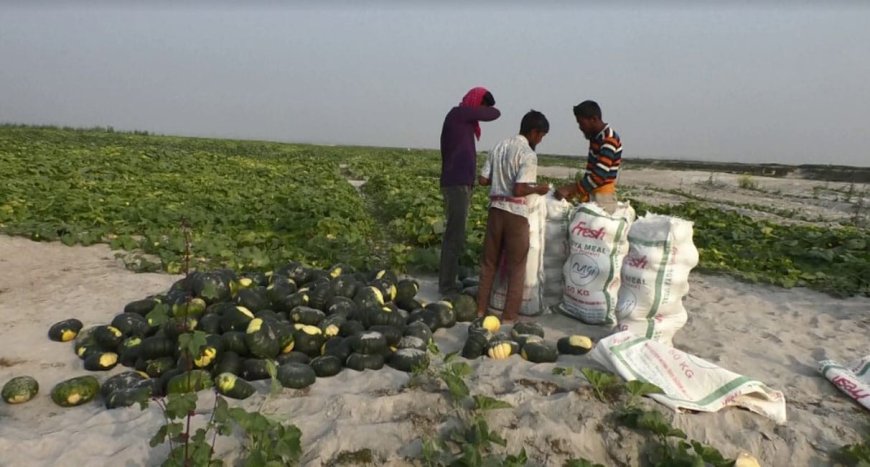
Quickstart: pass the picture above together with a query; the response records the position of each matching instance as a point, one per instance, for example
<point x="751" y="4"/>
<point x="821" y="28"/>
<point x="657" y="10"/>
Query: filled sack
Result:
<point x="655" y="277"/>
<point x="597" y="244"/>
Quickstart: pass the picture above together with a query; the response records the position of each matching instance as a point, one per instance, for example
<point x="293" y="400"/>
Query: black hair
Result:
<point x="587" y="109"/>
<point x="534" y="120"/>
<point x="488" y="99"/>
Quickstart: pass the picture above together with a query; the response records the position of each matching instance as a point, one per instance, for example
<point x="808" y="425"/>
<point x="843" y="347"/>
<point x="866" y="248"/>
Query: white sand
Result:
<point x="771" y="334"/>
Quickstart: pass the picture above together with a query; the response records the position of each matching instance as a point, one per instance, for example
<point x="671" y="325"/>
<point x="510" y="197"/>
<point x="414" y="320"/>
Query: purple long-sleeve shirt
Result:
<point x="458" y="153"/>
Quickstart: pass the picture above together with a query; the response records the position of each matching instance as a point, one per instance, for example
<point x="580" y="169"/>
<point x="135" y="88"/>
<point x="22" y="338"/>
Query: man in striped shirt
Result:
<point x="602" y="162"/>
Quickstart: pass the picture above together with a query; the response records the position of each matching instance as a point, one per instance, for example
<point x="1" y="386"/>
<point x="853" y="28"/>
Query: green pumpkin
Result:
<point x="476" y="343"/>
<point x="350" y="328"/>
<point x="65" y="331"/>
<point x="527" y="328"/>
<point x="386" y="315"/>
<point x="253" y="299"/>
<point x="309" y="340"/>
<point x="75" y="391"/>
<point x="141" y="307"/>
<point x="342" y="286"/>
<point x="131" y="324"/>
<point x="296" y="375"/>
<point x="177" y="326"/>
<point x="126" y="397"/>
<point x="293" y="357"/>
<point x="539" y="351"/>
<point x="306" y="315"/>
<point x="108" y="337"/>
<point x="85" y="340"/>
<point x="409" y="360"/>
<point x="261" y="339"/>
<point x="234" y="341"/>
<point x="326" y="366"/>
<point x="254" y="369"/>
<point x="228" y="362"/>
<point x="331" y="326"/>
<point x="209" y="324"/>
<point x="339" y="347"/>
<point x="189" y="381"/>
<point x="234" y="387"/>
<point x="361" y="362"/>
<point x="392" y="334"/>
<point x="319" y="295"/>
<point x="500" y="348"/>
<point x="369" y="342"/>
<point x="574" y="345"/>
<point x="464" y="307"/>
<point x="278" y="292"/>
<point x="420" y="330"/>
<point x="125" y="380"/>
<point x="409" y="305"/>
<point x="340" y="305"/>
<point x="19" y="390"/>
<point x="428" y="317"/>
<point x="368" y="297"/>
<point x="211" y="287"/>
<point x="444" y="313"/>
<point x="101" y="361"/>
<point x="189" y="308"/>
<point x="411" y="342"/>
<point x="130" y="351"/>
<point x="236" y="319"/>
<point x="159" y="366"/>
<point x="288" y="303"/>
<point x="406" y="290"/>
<point x="156" y="347"/>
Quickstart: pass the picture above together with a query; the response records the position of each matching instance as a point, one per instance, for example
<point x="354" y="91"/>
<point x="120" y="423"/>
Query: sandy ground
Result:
<point x="782" y="200"/>
<point x="771" y="334"/>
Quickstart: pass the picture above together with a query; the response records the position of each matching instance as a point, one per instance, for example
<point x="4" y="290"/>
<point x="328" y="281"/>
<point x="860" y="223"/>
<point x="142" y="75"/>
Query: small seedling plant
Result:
<point x="854" y="455"/>
<point x="669" y="446"/>
<point x="471" y="442"/>
<point x="265" y="442"/>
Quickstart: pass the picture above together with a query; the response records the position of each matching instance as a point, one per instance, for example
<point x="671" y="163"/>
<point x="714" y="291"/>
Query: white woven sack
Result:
<point x="598" y="242"/>
<point x="655" y="277"/>
<point x="555" y="249"/>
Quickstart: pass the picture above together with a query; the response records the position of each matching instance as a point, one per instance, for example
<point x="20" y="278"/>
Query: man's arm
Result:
<point x="525" y="189"/>
<point x="485" y="177"/>
<point x="481" y="113"/>
<point x="526" y="177"/>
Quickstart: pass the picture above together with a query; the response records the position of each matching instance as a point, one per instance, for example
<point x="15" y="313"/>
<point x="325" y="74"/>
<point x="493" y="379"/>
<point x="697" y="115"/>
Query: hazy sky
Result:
<point x="746" y="83"/>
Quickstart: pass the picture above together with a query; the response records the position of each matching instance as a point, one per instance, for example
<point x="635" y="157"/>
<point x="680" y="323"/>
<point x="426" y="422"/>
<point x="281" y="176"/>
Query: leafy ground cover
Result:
<point x="256" y="205"/>
<point x="250" y="205"/>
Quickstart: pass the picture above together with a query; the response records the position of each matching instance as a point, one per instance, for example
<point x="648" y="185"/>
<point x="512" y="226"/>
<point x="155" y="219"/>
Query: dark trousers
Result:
<point x="457" y="200"/>
<point x="507" y="239"/>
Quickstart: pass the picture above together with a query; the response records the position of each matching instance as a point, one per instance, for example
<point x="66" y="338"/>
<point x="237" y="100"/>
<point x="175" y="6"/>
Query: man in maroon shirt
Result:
<point x="458" y="171"/>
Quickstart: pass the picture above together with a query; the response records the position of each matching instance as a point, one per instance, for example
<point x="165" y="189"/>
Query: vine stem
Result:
<point x="185" y="229"/>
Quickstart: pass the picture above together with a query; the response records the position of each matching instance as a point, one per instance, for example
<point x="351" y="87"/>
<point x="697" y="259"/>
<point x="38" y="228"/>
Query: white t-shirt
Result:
<point x="510" y="162"/>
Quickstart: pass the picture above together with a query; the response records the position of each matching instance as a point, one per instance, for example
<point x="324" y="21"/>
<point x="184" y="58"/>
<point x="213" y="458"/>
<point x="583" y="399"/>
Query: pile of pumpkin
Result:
<point x="300" y="322"/>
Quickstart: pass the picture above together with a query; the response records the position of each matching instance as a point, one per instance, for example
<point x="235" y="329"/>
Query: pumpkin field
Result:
<point x="185" y="301"/>
<point x="258" y="205"/>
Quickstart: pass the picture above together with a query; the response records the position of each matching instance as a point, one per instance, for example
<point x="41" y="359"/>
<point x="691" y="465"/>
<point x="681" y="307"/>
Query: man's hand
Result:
<point x="563" y="192"/>
<point x="542" y="189"/>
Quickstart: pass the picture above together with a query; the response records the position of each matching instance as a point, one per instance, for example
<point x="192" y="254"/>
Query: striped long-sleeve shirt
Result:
<point x="602" y="163"/>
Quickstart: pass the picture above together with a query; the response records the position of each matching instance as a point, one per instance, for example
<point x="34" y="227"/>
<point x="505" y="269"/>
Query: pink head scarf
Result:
<point x="474" y="98"/>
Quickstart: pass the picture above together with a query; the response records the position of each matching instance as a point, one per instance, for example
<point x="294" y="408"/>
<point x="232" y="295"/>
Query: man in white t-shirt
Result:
<point x="511" y="170"/>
